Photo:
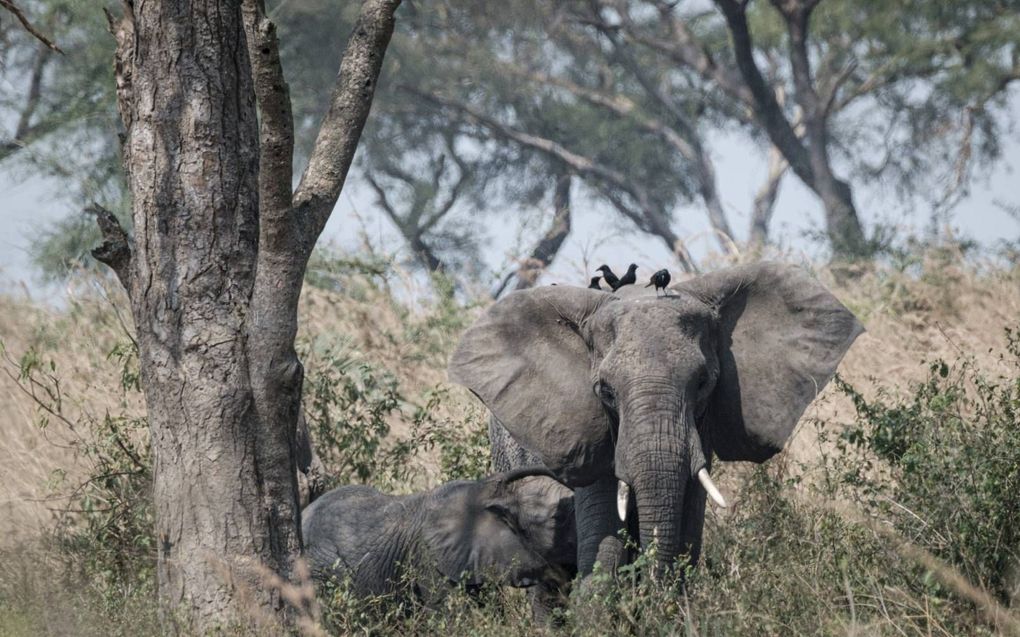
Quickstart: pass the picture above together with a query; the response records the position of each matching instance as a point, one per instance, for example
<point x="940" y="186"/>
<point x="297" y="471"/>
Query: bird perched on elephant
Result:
<point x="628" y="396"/>
<point x="628" y="278"/>
<point x="615" y="282"/>
<point x="514" y="528"/>
<point x="660" y="280"/>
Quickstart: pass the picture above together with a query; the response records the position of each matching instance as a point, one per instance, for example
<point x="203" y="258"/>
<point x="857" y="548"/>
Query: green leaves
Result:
<point x="952" y="446"/>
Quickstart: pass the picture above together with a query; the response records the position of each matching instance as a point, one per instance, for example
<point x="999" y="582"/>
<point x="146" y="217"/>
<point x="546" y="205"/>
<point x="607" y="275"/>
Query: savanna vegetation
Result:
<point x="147" y="466"/>
<point x="902" y="477"/>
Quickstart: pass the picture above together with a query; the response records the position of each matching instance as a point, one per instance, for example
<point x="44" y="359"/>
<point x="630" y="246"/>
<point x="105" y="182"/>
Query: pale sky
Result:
<point x="598" y="235"/>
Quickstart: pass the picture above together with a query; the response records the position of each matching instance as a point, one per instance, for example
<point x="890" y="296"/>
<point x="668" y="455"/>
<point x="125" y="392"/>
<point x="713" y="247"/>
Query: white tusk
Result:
<point x="622" y="495"/>
<point x="713" y="492"/>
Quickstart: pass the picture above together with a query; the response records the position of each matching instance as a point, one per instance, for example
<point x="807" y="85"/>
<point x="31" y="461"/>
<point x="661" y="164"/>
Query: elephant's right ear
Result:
<point x="526" y="360"/>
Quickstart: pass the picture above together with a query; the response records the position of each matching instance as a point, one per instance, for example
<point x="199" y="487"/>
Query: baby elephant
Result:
<point x="514" y="528"/>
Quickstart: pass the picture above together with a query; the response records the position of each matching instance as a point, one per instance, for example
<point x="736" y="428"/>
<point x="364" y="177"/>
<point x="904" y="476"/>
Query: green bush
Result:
<point x="105" y="527"/>
<point x="347" y="404"/>
<point x="944" y="463"/>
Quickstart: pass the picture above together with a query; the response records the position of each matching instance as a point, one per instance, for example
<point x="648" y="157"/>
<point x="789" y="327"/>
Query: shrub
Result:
<point x="943" y="462"/>
<point x="347" y="403"/>
<point x="105" y="527"/>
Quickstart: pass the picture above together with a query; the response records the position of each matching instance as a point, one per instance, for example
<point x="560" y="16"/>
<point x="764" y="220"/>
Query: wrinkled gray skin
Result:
<point x="632" y="387"/>
<point x="509" y="528"/>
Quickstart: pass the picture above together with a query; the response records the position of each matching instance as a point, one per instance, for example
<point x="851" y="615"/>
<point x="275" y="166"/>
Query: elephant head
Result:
<point x="647" y="388"/>
<point x="514" y="527"/>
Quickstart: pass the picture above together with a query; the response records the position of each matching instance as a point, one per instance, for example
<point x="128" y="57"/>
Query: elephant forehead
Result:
<point x="675" y="314"/>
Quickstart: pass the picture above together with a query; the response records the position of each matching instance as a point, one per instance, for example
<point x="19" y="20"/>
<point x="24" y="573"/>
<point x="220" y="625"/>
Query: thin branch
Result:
<point x="34" y="93"/>
<point x="655" y="224"/>
<point x="549" y="245"/>
<point x="25" y="132"/>
<point x="837" y="83"/>
<point x="23" y="19"/>
<point x="579" y="163"/>
<point x="411" y="232"/>
<point x="618" y="104"/>
<point x="276" y="131"/>
<point x="652" y="219"/>
<point x="341" y="128"/>
<point x="687" y="51"/>
<point x="765" y="199"/>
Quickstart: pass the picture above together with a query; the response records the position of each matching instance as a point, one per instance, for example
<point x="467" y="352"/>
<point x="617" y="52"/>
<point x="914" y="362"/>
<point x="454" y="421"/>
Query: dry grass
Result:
<point x="940" y="307"/>
<point x="946" y="309"/>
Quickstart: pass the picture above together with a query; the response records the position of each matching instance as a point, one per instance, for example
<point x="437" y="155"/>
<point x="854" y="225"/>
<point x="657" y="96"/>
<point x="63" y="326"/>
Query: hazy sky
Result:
<point x="598" y="235"/>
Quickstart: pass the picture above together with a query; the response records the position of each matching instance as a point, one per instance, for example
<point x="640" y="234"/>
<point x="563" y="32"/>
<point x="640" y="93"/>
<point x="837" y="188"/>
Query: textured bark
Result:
<point x="214" y="272"/>
<point x="192" y="152"/>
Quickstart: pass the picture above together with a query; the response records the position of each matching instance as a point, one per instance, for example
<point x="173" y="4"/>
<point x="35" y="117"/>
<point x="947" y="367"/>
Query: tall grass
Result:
<point x="917" y="445"/>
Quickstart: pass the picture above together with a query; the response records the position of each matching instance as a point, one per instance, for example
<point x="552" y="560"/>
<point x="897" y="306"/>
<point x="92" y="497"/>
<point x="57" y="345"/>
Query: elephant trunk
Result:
<point x="658" y="453"/>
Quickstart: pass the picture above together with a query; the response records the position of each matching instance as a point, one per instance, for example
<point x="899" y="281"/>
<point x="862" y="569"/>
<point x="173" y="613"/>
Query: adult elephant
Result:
<point x="627" y="396"/>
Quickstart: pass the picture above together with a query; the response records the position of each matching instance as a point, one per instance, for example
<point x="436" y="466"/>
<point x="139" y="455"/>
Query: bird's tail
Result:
<point x="649" y="285"/>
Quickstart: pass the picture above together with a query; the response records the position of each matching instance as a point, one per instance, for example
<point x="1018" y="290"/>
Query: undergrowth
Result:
<point x="937" y="462"/>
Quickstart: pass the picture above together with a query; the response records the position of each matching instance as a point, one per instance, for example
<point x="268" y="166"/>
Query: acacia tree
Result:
<point x="866" y="85"/>
<point x="213" y="272"/>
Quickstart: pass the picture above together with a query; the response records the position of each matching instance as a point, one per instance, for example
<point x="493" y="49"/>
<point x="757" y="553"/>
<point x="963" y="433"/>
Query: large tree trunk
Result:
<point x="192" y="160"/>
<point x="214" y="273"/>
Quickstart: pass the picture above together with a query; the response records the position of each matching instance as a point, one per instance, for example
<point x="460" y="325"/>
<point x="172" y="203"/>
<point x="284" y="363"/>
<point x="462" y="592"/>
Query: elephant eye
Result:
<point x="605" y="394"/>
<point x="504" y="516"/>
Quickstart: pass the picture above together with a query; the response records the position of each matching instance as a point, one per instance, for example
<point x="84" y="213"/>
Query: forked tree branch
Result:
<point x="648" y="217"/>
<point x="341" y="128"/>
<point x="767" y="109"/>
<point x="27" y="24"/>
<point x="412" y="232"/>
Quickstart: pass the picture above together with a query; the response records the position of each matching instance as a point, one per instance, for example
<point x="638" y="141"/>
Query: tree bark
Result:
<point x="214" y="272"/>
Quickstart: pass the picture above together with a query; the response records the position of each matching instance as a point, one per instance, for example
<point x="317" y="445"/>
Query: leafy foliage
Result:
<point x="950" y="464"/>
<point x="105" y="527"/>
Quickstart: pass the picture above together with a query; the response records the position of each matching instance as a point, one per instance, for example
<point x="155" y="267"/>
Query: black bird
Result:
<point x="608" y="276"/>
<point x="660" y="280"/>
<point x="627" y="279"/>
<point x="594" y="285"/>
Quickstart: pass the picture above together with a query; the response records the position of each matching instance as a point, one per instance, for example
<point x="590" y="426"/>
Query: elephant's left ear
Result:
<point x="782" y="335"/>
